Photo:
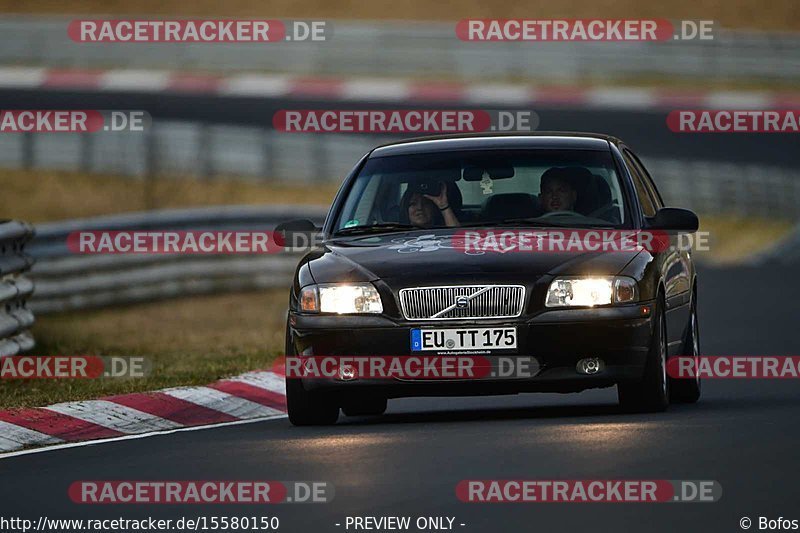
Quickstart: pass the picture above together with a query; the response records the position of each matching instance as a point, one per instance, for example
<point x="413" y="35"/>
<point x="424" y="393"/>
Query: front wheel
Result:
<point x="651" y="394"/>
<point x="307" y="408"/>
<point x="688" y="390"/>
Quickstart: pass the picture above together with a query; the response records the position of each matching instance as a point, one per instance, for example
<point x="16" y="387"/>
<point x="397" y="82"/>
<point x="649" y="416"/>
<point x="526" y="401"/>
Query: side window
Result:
<point x="648" y="181"/>
<point x="648" y="205"/>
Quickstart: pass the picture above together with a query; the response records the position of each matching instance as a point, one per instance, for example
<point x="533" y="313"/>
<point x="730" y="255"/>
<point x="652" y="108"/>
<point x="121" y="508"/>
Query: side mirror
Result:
<point x="301" y="224"/>
<point x="299" y="233"/>
<point x="674" y="219"/>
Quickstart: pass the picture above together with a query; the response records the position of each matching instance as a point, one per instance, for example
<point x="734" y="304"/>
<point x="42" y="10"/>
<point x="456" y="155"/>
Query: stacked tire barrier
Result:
<point x="15" y="288"/>
<point x="66" y="280"/>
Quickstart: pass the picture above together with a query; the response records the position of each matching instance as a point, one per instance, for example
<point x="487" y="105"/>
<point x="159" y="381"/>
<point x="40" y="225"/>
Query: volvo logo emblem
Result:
<point x="461" y="302"/>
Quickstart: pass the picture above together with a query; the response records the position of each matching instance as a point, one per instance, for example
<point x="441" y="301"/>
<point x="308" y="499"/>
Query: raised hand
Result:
<point x="441" y="199"/>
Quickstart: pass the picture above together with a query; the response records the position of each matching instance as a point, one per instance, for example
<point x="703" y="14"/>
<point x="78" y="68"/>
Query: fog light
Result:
<point x="590" y="365"/>
<point x="347" y="372"/>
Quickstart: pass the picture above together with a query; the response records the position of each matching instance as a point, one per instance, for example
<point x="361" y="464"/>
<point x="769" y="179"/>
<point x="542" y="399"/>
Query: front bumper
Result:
<point x="556" y="339"/>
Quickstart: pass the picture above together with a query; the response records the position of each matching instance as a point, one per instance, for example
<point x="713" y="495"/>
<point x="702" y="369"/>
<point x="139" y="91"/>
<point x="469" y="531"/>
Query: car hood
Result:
<point x="430" y="257"/>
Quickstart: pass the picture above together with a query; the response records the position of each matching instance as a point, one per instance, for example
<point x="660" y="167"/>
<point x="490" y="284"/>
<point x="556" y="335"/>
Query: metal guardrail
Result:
<point x="730" y="189"/>
<point x="403" y="48"/>
<point x="66" y="281"/>
<point x="15" y="288"/>
<point x="221" y="151"/>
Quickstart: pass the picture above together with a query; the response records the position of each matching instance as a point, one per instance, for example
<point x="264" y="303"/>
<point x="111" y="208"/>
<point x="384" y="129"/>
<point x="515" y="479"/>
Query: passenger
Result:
<point x="425" y="210"/>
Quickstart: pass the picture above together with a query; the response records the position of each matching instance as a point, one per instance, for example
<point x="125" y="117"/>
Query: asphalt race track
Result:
<point x="742" y="434"/>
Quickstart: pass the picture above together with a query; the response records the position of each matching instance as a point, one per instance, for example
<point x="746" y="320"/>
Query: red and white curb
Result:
<point x="387" y="90"/>
<point x="254" y="395"/>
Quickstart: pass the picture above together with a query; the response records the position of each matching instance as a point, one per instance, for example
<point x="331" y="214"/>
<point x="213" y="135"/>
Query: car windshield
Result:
<point x="559" y="188"/>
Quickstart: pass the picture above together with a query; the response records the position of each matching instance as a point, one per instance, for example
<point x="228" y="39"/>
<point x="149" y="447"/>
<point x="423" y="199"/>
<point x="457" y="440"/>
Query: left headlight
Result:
<point x="582" y="292"/>
<point x="341" y="298"/>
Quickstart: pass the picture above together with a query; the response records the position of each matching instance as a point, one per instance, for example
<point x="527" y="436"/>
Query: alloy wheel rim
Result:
<point x="696" y="346"/>
<point x="663" y="356"/>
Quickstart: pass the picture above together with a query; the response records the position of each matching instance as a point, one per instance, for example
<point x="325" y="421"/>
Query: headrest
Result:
<point x="510" y="205"/>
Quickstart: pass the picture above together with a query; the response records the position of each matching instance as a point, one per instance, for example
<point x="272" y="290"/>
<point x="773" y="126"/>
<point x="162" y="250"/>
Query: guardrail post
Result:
<point x="268" y="166"/>
<point x="205" y="151"/>
<point x="27" y="150"/>
<point x="321" y="159"/>
<point x="150" y="167"/>
<point x="87" y="151"/>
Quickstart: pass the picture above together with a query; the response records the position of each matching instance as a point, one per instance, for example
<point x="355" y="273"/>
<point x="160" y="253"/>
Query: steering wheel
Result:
<point x="560" y="214"/>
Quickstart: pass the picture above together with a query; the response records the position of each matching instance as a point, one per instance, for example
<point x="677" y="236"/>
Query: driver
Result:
<point x="558" y="192"/>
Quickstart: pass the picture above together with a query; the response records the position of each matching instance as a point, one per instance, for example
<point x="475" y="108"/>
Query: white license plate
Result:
<point x="423" y="340"/>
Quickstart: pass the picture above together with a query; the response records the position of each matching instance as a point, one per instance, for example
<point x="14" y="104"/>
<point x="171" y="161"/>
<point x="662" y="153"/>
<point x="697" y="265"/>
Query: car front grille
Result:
<point x="476" y="301"/>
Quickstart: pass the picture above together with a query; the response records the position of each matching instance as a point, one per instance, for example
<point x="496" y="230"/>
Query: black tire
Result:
<point x="688" y="390"/>
<point x="307" y="408"/>
<point x="370" y="406"/>
<point x="651" y="394"/>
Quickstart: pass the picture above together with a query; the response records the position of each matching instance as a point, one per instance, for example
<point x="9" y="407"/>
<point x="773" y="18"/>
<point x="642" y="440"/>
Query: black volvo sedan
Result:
<point x="414" y="261"/>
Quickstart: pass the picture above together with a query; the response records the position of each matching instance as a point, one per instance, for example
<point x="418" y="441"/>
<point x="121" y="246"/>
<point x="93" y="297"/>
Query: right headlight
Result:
<point x="591" y="291"/>
<point x="341" y="298"/>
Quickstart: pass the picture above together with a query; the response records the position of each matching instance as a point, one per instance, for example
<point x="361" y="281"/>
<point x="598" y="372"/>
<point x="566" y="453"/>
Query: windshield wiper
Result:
<point x="374" y="228"/>
<point x="514" y="222"/>
<point x="535" y="222"/>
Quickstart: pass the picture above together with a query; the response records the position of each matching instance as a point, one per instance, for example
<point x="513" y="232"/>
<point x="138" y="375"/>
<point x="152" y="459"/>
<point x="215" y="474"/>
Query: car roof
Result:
<point x="473" y="141"/>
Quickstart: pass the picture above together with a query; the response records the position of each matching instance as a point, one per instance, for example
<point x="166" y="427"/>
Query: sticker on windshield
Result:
<point x="351" y="223"/>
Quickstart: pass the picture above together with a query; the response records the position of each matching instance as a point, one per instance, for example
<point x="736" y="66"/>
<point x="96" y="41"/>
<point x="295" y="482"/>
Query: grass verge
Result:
<point x="191" y="341"/>
<point x="733" y="240"/>
<point x="45" y="195"/>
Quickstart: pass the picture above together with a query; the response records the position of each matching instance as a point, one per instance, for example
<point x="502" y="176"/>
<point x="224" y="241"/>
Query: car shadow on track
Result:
<point x="598" y="412"/>
<point x="489" y="414"/>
